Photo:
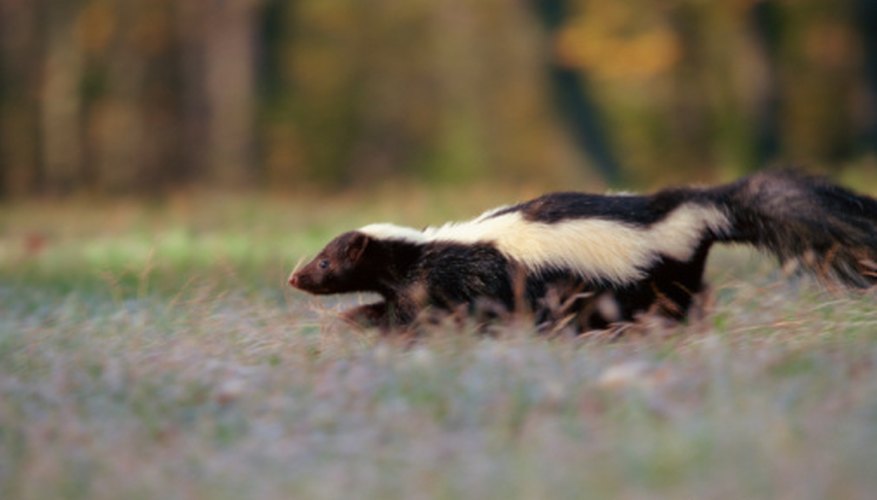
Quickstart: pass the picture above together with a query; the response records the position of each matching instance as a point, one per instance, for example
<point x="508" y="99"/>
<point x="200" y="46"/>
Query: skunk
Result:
<point x="587" y="261"/>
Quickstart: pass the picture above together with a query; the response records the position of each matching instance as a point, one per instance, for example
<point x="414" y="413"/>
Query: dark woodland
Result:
<point x="106" y="96"/>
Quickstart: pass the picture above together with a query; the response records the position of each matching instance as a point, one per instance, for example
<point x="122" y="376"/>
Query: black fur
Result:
<point x="830" y="230"/>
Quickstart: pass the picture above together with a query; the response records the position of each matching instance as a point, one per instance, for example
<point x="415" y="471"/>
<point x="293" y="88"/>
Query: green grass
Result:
<point x="153" y="352"/>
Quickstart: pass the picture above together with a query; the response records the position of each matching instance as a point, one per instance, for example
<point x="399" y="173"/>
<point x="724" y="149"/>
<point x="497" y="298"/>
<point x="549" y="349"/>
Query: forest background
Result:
<point x="150" y="96"/>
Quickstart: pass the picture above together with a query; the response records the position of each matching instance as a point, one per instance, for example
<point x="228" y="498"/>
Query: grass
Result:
<point x="152" y="351"/>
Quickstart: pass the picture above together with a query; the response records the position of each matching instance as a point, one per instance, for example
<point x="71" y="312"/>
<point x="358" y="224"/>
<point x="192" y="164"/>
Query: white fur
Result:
<point x="592" y="247"/>
<point x="387" y="231"/>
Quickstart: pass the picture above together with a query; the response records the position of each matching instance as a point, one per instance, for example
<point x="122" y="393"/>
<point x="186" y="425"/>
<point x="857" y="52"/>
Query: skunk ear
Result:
<point x="356" y="247"/>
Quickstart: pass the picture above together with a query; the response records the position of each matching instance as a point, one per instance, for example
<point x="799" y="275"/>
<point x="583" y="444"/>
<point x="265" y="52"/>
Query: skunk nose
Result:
<point x="293" y="280"/>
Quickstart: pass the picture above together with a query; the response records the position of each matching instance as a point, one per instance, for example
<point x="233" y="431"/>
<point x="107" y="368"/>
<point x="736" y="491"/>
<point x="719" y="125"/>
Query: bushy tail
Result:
<point x="830" y="230"/>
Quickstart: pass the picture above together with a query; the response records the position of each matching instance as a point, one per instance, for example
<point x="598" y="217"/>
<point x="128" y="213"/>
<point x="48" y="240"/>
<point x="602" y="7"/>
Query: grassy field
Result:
<point x="153" y="351"/>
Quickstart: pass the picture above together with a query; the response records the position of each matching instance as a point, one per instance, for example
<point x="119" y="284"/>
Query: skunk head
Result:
<point x="338" y="268"/>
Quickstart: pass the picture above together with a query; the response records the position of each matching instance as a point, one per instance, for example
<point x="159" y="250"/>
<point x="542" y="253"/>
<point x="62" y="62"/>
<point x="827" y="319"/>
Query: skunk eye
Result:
<point x="324" y="264"/>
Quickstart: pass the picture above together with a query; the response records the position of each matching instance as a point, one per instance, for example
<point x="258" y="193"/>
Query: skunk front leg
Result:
<point x="369" y="315"/>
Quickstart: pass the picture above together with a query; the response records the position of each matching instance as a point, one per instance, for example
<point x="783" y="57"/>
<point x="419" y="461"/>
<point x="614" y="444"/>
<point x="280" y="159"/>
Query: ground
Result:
<point x="153" y="351"/>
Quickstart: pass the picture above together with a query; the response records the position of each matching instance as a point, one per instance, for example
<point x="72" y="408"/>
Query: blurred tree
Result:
<point x="866" y="19"/>
<point x="194" y="108"/>
<point x="60" y="103"/>
<point x="324" y="69"/>
<point x="280" y="153"/>
<point x="766" y="22"/>
<point x="573" y="97"/>
<point x="690" y="120"/>
<point x="20" y="43"/>
<point x="820" y="65"/>
<point x="229" y="68"/>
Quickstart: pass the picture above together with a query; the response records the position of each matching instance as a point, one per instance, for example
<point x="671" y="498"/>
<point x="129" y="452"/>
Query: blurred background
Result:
<point x="149" y="96"/>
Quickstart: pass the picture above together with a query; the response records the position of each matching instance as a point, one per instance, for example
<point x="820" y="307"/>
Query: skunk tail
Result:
<point x="829" y="230"/>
